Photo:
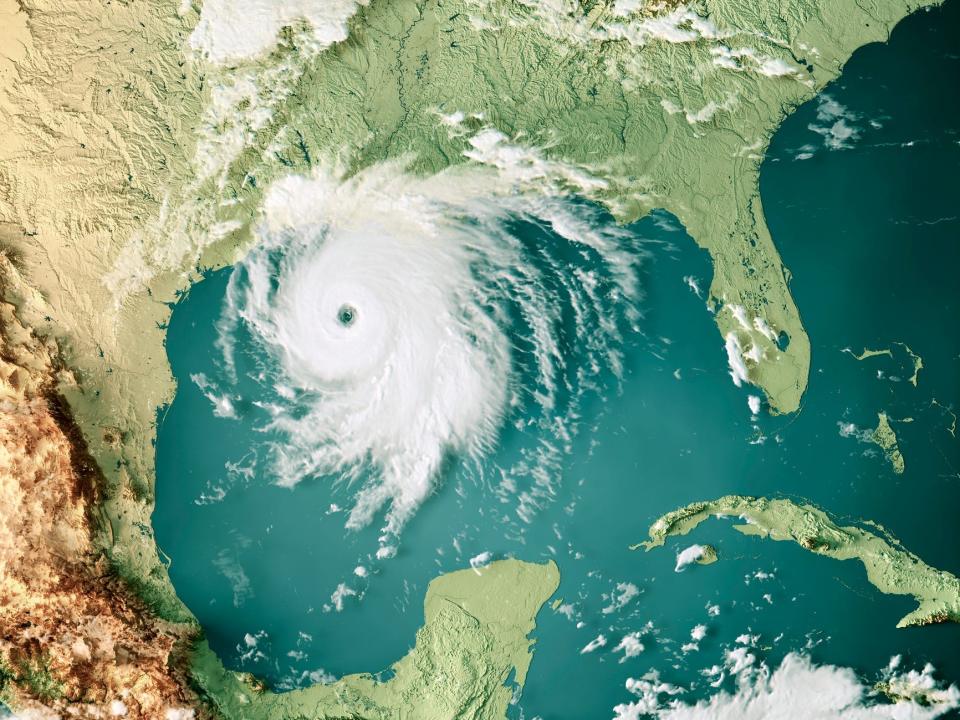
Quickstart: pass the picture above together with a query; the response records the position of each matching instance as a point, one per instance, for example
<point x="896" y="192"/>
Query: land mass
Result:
<point x="128" y="164"/>
<point x="886" y="438"/>
<point x="890" y="568"/>
<point x="470" y="654"/>
<point x="75" y="640"/>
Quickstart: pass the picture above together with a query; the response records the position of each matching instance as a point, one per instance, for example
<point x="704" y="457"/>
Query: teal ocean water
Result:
<point x="860" y="189"/>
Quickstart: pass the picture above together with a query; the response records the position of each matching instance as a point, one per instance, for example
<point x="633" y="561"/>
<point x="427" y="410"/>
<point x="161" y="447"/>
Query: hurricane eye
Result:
<point x="346" y="315"/>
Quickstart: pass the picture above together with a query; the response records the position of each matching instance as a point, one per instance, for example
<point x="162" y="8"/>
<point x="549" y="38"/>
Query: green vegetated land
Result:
<point x="890" y="568"/>
<point x="473" y="641"/>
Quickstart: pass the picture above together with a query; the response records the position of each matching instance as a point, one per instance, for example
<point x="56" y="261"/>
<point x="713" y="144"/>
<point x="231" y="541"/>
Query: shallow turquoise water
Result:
<point x="870" y="233"/>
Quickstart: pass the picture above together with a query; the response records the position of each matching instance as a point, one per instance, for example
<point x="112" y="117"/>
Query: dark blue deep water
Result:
<point x="869" y="226"/>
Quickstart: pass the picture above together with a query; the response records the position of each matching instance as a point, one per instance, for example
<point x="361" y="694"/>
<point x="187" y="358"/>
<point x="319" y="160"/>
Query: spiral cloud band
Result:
<point x="408" y="319"/>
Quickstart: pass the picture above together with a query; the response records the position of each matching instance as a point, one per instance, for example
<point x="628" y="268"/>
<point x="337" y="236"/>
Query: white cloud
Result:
<point x="796" y="690"/>
<point x="693" y="284"/>
<point x="839" y="135"/>
<point x="749" y="60"/>
<point x="764" y="329"/>
<point x="340" y="594"/>
<point x="453" y="119"/>
<point x="849" y="429"/>
<point x="688" y="556"/>
<point x="523" y="165"/>
<point x="670" y="107"/>
<point x="835" y="123"/>
<point x="385" y="552"/>
<point x="738" y="368"/>
<point x="479" y="561"/>
<point x="704" y="114"/>
<point x="564" y="20"/>
<point x="231" y="31"/>
<point x="80" y="649"/>
<point x="775" y="67"/>
<point x="648" y="690"/>
<point x="739" y="312"/>
<point x="681" y="25"/>
<point x="222" y="404"/>
<point x="735" y="353"/>
<point x="241" y="104"/>
<point x="229" y="566"/>
<point x="755" y="353"/>
<point x="624" y="594"/>
<point x="800" y="690"/>
<point x="696" y="635"/>
<point x="630" y="645"/>
<point x="919" y="686"/>
<point x="34" y="713"/>
<point x="753" y="402"/>
<point x="376" y="395"/>
<point x="179" y="714"/>
<point x="739" y="660"/>
<point x="598" y="642"/>
<point x="623" y="8"/>
<point x="249" y="650"/>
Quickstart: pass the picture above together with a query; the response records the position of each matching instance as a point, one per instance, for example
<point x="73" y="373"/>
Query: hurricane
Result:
<point x="402" y="322"/>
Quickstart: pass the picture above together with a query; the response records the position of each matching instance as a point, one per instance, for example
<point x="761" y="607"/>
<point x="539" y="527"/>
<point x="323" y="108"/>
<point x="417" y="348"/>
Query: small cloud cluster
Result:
<point x="797" y="689"/>
<point x="836" y="124"/>
<point x="749" y="60"/>
<point x="526" y="166"/>
<point x="228" y="564"/>
<point x="624" y="594"/>
<point x="648" y="689"/>
<point x="703" y="114"/>
<point x="698" y="633"/>
<point x="630" y="646"/>
<point x="222" y="403"/>
<point x="340" y="595"/>
<point x="598" y="642"/>
<point x="744" y="343"/>
<point x="480" y="561"/>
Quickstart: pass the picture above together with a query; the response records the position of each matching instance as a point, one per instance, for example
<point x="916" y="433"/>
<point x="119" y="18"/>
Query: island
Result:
<point x="890" y="568"/>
